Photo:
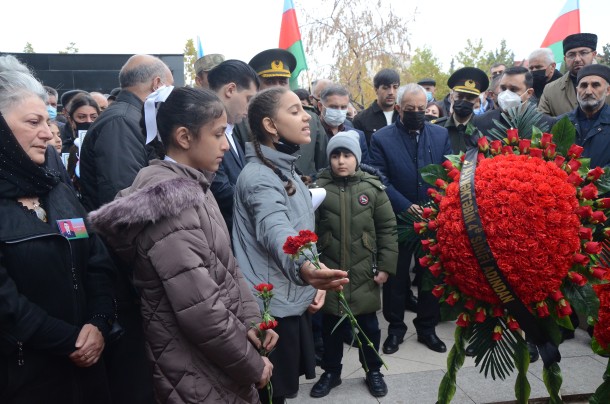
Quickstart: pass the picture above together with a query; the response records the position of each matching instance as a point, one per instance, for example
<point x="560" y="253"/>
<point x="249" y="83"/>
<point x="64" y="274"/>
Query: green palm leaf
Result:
<point x="495" y="357"/>
<point x="522" y="119"/>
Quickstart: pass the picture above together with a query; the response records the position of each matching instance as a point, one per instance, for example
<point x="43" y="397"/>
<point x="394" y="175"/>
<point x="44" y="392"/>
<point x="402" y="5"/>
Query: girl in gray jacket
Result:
<point x="272" y="203"/>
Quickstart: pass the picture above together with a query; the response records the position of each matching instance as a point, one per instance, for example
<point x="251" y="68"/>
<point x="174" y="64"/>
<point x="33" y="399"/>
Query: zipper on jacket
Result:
<point x="345" y="235"/>
<point x="20" y="360"/>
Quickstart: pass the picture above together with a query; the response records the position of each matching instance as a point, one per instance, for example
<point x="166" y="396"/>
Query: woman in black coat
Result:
<point x="55" y="299"/>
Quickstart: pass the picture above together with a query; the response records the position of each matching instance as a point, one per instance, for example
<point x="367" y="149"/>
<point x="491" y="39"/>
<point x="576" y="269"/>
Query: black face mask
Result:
<point x="463" y="108"/>
<point x="286" y="147"/>
<point x="413" y="120"/>
<point x="539" y="82"/>
<point x="82" y="126"/>
<point x="430" y="117"/>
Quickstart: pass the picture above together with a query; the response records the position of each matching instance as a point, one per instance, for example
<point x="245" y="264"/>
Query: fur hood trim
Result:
<point x="149" y="204"/>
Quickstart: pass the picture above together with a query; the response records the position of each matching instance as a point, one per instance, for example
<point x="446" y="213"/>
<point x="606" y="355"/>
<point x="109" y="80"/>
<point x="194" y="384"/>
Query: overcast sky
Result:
<point x="242" y="28"/>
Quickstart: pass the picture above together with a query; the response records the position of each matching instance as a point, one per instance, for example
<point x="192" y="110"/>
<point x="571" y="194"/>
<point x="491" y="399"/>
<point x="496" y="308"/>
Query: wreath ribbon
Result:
<point x="480" y="247"/>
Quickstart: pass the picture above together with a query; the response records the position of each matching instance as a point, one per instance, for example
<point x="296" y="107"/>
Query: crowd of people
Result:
<point x="136" y="224"/>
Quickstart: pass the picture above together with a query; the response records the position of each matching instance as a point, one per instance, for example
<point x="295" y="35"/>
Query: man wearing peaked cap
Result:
<point x="592" y="116"/>
<point x="274" y="67"/>
<point x="466" y="85"/>
<point x="203" y="65"/>
<point x="559" y="97"/>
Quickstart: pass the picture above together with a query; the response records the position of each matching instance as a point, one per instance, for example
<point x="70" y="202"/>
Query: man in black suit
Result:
<point x="235" y="83"/>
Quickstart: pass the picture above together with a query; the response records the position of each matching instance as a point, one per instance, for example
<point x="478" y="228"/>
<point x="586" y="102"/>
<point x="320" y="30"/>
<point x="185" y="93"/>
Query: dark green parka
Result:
<point x="356" y="227"/>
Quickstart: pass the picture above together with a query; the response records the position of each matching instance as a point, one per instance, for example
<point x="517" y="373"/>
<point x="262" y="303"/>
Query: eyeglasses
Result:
<point x="582" y="54"/>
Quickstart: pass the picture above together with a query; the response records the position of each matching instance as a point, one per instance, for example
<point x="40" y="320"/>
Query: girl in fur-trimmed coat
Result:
<point x="197" y="308"/>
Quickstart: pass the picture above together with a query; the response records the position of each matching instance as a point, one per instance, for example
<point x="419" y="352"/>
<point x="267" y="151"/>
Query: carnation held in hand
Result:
<point x="514" y="237"/>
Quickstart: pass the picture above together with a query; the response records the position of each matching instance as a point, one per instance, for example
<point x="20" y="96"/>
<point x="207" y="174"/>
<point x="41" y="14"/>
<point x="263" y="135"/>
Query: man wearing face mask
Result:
<point x="515" y="91"/>
<point x="466" y="85"/>
<point x="542" y="66"/>
<point x="592" y="116"/>
<point x="559" y="97"/>
<point x="429" y="85"/>
<point x="333" y="104"/>
<point x="399" y="151"/>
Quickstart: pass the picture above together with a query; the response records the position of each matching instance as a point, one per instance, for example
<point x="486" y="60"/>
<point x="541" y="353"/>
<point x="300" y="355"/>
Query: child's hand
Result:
<point x="381" y="278"/>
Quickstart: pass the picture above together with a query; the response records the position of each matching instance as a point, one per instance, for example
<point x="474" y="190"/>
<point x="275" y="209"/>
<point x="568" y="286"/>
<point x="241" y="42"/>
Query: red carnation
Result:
<point x="496" y="146"/>
<point x="497" y="311"/>
<point x="589" y="192"/>
<point x="546" y="139"/>
<point x="507" y="150"/>
<point x="438" y="291"/>
<point x="550" y="151"/>
<point x="598" y="217"/>
<point x="598" y="272"/>
<point x="435" y="249"/>
<point x="563" y="308"/>
<point x="593" y="247"/>
<point x="308" y="236"/>
<point x="585" y="233"/>
<point x="575" y="179"/>
<point x="483" y="144"/>
<point x="542" y="309"/>
<point x="470" y="304"/>
<point x="580" y="259"/>
<point x="420" y="227"/>
<point x="603" y="203"/>
<point x="577" y="278"/>
<point x="463" y="320"/>
<point x="428" y="212"/>
<point x="448" y="165"/>
<point x="432" y="225"/>
<point x="425" y="244"/>
<point x="595" y="174"/>
<point x="452" y="298"/>
<point x="425" y="261"/>
<point x="575" y="151"/>
<point x="556" y="295"/>
<point x="436" y="269"/>
<point x="536" y="152"/>
<point x="480" y="315"/>
<point x="440" y="183"/>
<point x="584" y="212"/>
<point x="264" y="287"/>
<point x="573" y="166"/>
<point x="524" y="145"/>
<point x="497" y="334"/>
<point x="559" y="160"/>
<point x="512" y="136"/>
<point x="512" y="324"/>
<point x="292" y="245"/>
<point x="454" y="174"/>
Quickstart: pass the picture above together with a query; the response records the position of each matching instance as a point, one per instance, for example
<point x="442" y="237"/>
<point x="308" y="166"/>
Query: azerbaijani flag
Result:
<point x="290" y="39"/>
<point x="199" y="48"/>
<point x="567" y="23"/>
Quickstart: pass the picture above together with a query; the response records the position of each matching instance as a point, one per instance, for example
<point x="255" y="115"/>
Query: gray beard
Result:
<point x="589" y="105"/>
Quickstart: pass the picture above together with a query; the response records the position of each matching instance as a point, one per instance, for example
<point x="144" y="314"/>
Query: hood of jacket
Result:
<point x="163" y="189"/>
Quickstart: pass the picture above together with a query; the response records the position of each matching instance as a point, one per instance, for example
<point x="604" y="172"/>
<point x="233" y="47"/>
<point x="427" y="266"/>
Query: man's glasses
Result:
<point x="582" y="54"/>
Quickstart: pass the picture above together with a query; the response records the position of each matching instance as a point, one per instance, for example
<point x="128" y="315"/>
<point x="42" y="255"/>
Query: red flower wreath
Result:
<point x="527" y="210"/>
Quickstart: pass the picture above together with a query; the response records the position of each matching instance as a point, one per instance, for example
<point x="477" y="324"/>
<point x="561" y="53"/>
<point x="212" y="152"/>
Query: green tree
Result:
<point x="28" y="48"/>
<point x="425" y="64"/>
<point x="362" y="40"/>
<point x="473" y="55"/>
<point x="502" y="55"/>
<point x="190" y="56"/>
<point x="604" y="58"/>
<point x="69" y="49"/>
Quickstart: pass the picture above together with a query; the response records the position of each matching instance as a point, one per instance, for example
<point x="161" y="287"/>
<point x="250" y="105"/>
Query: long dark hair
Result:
<point x="265" y="104"/>
<point x="188" y="107"/>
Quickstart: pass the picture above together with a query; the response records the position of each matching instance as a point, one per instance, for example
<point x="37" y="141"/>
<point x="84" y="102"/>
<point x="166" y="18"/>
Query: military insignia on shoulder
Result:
<point x="363" y="200"/>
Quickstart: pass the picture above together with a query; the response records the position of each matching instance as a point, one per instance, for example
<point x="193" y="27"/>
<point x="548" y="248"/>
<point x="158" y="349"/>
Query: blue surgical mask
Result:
<point x="478" y="111"/>
<point x="52" y="112"/>
<point x="429" y="96"/>
<point x="335" y="117"/>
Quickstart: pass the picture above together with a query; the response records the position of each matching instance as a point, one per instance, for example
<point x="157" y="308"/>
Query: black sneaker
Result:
<point x="327" y="382"/>
<point x="376" y="384"/>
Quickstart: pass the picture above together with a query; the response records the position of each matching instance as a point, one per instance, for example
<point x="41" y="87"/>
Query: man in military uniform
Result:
<point x="466" y="85"/>
<point x="274" y="67"/>
<point x="203" y="65"/>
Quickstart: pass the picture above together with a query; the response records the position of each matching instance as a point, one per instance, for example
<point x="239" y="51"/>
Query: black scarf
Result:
<point x="19" y="175"/>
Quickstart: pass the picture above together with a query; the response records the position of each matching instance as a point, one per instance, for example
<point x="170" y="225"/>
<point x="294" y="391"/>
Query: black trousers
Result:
<point x="333" y="342"/>
<point x="394" y="295"/>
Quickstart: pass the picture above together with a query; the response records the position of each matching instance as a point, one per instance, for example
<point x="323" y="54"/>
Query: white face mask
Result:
<point x="335" y="117"/>
<point x="507" y="99"/>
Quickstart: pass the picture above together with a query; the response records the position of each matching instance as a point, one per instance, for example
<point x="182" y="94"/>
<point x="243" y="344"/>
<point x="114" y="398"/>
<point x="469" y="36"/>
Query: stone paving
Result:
<point x="415" y="373"/>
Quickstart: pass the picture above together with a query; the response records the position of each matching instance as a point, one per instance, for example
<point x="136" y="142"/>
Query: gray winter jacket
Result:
<point x="263" y="217"/>
<point x="196" y="305"/>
